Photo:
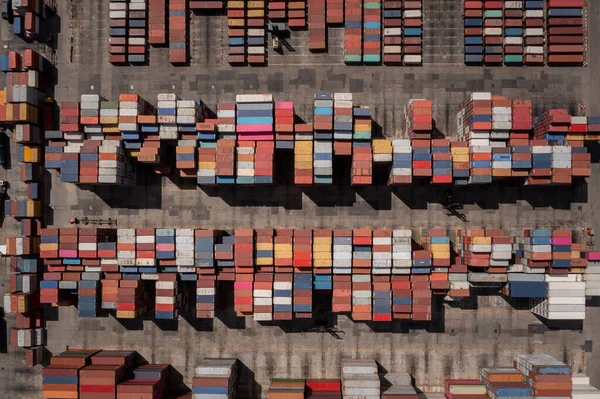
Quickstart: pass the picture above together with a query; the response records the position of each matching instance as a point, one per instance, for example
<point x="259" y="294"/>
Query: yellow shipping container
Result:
<point x="321" y="255"/>
<point x="9" y="113"/>
<point x="322" y="263"/>
<point x="34" y="208"/>
<point x="235" y="4"/>
<point x="362" y="127"/>
<point x="382" y="146"/>
<point x="439" y="247"/>
<point x="283" y="247"/>
<point x="22" y="304"/>
<point x="109" y="120"/>
<point x="575" y="254"/>
<point x="575" y="137"/>
<point x="481" y="240"/>
<point x="48" y="247"/>
<point x="256" y="13"/>
<point x="577" y="270"/>
<point x="303" y="158"/>
<point x="440" y="255"/>
<point x="134" y="153"/>
<point x="264" y="261"/>
<point x="460" y="158"/>
<point x="303" y="165"/>
<point x="59" y="394"/>
<point x="322" y="247"/>
<point x="3" y="96"/>
<point x="110" y="129"/>
<point x="237" y="23"/>
<point x="264" y="246"/>
<point x="459" y="150"/>
<point x="256" y="4"/>
<point x="207" y="165"/>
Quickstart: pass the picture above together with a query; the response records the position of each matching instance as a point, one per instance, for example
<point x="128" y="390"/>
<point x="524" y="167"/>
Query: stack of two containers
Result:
<point x="323" y="144"/>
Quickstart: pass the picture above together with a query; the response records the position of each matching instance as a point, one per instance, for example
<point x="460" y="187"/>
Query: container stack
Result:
<point x="264" y="252"/>
<point x="362" y="164"/>
<point x="382" y="252"/>
<point x="362" y="251"/>
<point x="207" y="156"/>
<point x="164" y="245"/>
<point x="145" y="250"/>
<point x="215" y="377"/>
<point x="360" y="378"/>
<point x="392" y="32"/>
<point x="342" y="123"/>
<point x="382" y="298"/>
<point x="561" y="165"/>
<point x="413" y="33"/>
<point x="401" y="171"/>
<point x="473" y="23"/>
<point x="282" y="296"/>
<point x="422" y="158"/>
<point x="244" y="268"/>
<point x="283" y="250"/>
<point x="255" y="117"/>
<point x="362" y="297"/>
<point x="419" y="121"/>
<point x="118" y="32"/>
<point x="371" y="32"/>
<point x="460" y="162"/>
<point x="565" y="299"/>
<point x="363" y="124"/>
<point x="184" y="250"/>
<point x="110" y="289"/>
<point x="284" y="125"/>
<point x="541" y="162"/>
<point x="353" y="31"/>
<point x="62" y="377"/>
<point x="131" y="299"/>
<point x="245" y="162"/>
<point x="303" y="163"/>
<point x="474" y="119"/>
<point x="286" y="387"/>
<point x="88" y="295"/>
<point x="224" y="257"/>
<point x="578" y="128"/>
<point x="157" y="22"/>
<point x="501" y="253"/>
<point x="102" y="379"/>
<point x="592" y="274"/>
<point x="206" y="285"/>
<point x="169" y="298"/>
<point x="263" y="296"/>
<point x="553" y="125"/>
<point x="401" y="251"/>
<point x="442" y="162"/>
<point x="382" y="151"/>
<point x="90" y="116"/>
<point x="323" y="161"/>
<point x="456" y="389"/>
<point x="501" y="122"/>
<point x="335" y="12"/>
<point x="534" y="32"/>
<point x="513" y="33"/>
<point x="236" y="14"/>
<point x="277" y="11"/>
<point x="303" y="263"/>
<point x="317" y="27"/>
<point x="546" y="375"/>
<point x="189" y="112"/>
<point x="342" y="252"/>
<point x="582" y="388"/>
<point x="148" y="379"/>
<point x="505" y="382"/>
<point x="342" y="293"/>
<point x="492" y="33"/>
<point x="226" y="121"/>
<point x="178" y="34"/>
<point x="566" y="32"/>
<point x="323" y="116"/>
<point x="438" y="243"/>
<point x="109" y="120"/>
<point x="323" y="388"/>
<point x="225" y="163"/>
<point x="255" y="33"/>
<point x="421" y="297"/>
<point x="297" y="14"/>
<point x="322" y="259"/>
<point x="137" y="50"/>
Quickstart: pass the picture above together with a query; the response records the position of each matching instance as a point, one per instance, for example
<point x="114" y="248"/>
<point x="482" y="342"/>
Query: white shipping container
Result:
<point x="534" y="50"/>
<point x="254" y="98"/>
<point x="392" y="32"/>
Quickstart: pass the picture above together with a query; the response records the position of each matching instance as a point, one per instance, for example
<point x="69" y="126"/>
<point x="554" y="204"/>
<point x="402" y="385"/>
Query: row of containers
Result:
<point x="86" y="374"/>
<point x="239" y="145"/>
<point x="288" y="14"/>
<point x="128" y="33"/>
<point x="372" y="275"/>
<point x="363" y="28"/>
<point x="513" y="32"/>
<point x="247" y="41"/>
<point x="28" y="18"/>
<point x="21" y="103"/>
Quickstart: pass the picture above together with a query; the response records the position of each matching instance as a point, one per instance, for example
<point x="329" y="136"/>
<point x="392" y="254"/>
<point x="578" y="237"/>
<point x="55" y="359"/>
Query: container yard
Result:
<point x="299" y="199"/>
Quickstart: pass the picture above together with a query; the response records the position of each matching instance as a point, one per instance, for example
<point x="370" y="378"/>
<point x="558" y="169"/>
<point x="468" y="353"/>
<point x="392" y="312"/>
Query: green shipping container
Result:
<point x="492" y="14"/>
<point x="352" y="58"/>
<point x="513" y="59"/>
<point x="372" y="4"/>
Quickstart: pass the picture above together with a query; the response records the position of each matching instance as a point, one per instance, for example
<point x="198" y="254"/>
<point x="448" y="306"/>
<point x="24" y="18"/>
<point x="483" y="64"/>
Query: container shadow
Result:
<point x="175" y="383"/>
<point x="247" y="386"/>
<point x="227" y="315"/>
<point x="3" y="332"/>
